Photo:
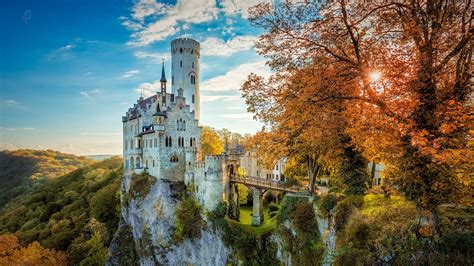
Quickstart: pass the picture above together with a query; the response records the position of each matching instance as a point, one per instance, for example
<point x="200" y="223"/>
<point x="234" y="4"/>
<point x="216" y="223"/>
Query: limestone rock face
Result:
<point x="150" y="223"/>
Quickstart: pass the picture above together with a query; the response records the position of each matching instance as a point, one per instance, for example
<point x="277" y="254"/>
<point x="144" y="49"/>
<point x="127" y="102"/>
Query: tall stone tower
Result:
<point x="185" y="54"/>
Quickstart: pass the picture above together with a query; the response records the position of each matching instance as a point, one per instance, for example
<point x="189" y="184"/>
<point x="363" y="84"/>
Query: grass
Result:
<point x="269" y="224"/>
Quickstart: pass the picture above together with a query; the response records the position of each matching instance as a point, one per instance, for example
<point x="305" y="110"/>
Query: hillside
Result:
<point x="22" y="169"/>
<point x="77" y="212"/>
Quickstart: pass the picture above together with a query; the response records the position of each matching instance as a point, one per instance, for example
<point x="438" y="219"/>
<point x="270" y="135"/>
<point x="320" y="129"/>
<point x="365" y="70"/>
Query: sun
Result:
<point x="375" y="76"/>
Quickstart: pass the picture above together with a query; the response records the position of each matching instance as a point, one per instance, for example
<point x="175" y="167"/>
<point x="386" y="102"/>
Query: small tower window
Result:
<point x="193" y="79"/>
<point x="192" y="64"/>
<point x="180" y="50"/>
<point x="181" y="63"/>
<point x="192" y="98"/>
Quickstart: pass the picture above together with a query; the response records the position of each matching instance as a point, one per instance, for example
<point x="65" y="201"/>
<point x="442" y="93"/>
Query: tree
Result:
<point x="211" y="143"/>
<point x="414" y="119"/>
<point x="12" y="253"/>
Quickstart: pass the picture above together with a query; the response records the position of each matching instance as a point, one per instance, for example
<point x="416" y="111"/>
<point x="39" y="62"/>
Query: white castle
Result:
<point x="162" y="136"/>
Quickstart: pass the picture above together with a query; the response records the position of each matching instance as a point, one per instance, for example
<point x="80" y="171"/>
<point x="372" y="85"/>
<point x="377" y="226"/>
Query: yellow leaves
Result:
<point x="11" y="253"/>
<point x="211" y="143"/>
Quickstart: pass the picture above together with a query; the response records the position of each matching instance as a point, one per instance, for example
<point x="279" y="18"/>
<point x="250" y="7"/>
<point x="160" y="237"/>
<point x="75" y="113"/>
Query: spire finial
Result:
<point x="163" y="77"/>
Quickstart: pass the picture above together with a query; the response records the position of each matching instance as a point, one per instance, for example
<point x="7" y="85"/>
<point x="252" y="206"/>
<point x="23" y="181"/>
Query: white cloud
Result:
<point x="146" y="8"/>
<point x="101" y="133"/>
<point x="154" y="57"/>
<point x="211" y="98"/>
<point x="238" y="116"/>
<point x="67" y="47"/>
<point x="15" y="129"/>
<point x="130" y="73"/>
<point x="240" y="7"/>
<point x="166" y="20"/>
<point x="233" y="79"/>
<point x="213" y="46"/>
<point x="148" y="89"/>
<point x="89" y="93"/>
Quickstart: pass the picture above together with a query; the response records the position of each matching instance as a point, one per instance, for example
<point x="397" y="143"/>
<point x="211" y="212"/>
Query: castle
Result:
<point x="162" y="135"/>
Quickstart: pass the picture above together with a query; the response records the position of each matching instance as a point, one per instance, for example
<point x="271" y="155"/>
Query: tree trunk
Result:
<point x="313" y="169"/>
<point x="428" y="222"/>
<point x="372" y="174"/>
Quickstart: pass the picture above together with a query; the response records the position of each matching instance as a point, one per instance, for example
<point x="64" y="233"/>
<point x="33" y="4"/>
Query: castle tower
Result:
<point x="185" y="54"/>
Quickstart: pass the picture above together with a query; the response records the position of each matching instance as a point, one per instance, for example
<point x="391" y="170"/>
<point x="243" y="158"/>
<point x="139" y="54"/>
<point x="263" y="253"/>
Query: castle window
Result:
<point x="190" y="142"/>
<point x="181" y="63"/>
<point x="193" y="79"/>
<point x="153" y="163"/>
<point x="172" y="80"/>
<point x="174" y="159"/>
<point x="131" y="163"/>
<point x="171" y="142"/>
<point x="184" y="126"/>
<point x="156" y="142"/>
<point x="180" y="50"/>
<point x="192" y="63"/>
<point x="193" y="98"/>
<point x="192" y="51"/>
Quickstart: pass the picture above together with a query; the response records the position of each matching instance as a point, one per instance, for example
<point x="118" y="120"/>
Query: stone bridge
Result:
<point x="260" y="186"/>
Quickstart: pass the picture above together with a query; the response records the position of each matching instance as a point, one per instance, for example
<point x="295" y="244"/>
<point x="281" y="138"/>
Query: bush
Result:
<point x="303" y="217"/>
<point x="344" y="210"/>
<point x="273" y="207"/>
<point x="141" y="185"/>
<point x="188" y="220"/>
<point x="327" y="203"/>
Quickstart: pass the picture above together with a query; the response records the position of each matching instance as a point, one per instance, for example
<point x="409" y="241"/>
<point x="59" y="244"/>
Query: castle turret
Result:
<point x="185" y="53"/>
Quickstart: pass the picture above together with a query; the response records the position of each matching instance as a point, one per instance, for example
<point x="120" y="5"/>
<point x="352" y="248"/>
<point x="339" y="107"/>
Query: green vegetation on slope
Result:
<point x="268" y="225"/>
<point x="373" y="229"/>
<point x="77" y="212"/>
<point x="22" y="169"/>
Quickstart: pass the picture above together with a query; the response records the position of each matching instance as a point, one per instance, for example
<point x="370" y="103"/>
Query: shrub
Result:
<point x="188" y="220"/>
<point x="344" y="210"/>
<point x="273" y="207"/>
<point x="141" y="185"/>
<point x="303" y="216"/>
<point x="327" y="203"/>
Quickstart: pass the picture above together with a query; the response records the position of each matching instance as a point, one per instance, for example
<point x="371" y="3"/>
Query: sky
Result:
<point x="69" y="70"/>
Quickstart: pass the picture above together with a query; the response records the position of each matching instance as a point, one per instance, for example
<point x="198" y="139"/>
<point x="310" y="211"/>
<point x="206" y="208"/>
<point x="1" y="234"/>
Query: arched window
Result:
<point x="192" y="99"/>
<point x="174" y="159"/>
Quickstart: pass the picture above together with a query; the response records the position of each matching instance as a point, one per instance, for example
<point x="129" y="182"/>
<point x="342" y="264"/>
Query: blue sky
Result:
<point x="70" y="69"/>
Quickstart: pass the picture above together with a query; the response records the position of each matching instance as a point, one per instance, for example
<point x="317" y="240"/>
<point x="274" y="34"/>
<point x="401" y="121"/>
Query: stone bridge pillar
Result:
<point x="257" y="214"/>
<point x="234" y="204"/>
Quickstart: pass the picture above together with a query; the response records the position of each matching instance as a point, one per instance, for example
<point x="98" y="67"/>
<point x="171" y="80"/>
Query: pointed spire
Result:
<point x="163" y="78"/>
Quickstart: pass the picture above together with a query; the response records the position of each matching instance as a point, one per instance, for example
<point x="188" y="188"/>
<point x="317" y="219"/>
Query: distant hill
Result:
<point x="100" y="157"/>
<point x="20" y="170"/>
<point x="77" y="212"/>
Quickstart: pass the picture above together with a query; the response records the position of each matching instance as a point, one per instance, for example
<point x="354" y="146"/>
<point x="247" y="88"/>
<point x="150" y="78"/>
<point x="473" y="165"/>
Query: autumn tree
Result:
<point x="211" y="142"/>
<point x="403" y="71"/>
<point x="12" y="253"/>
